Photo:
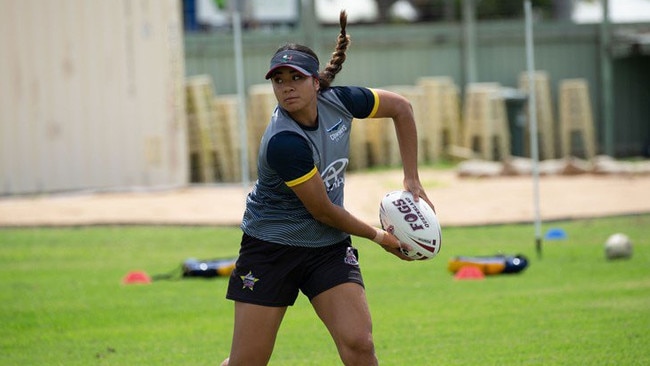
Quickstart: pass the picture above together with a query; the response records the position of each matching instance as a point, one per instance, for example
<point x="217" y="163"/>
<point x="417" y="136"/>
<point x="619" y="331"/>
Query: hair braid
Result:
<point x="338" y="57"/>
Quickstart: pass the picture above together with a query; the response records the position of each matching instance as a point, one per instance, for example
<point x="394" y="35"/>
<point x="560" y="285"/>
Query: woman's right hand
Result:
<point x="391" y="244"/>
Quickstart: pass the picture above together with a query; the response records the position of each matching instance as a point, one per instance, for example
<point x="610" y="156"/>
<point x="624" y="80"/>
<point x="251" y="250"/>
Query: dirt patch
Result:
<point x="458" y="201"/>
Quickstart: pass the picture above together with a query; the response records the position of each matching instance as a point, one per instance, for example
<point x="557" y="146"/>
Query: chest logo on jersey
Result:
<point x="337" y="131"/>
<point x="333" y="175"/>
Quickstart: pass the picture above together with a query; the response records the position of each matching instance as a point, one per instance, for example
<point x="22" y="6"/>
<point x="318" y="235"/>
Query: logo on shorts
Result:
<point x="350" y="257"/>
<point x="249" y="280"/>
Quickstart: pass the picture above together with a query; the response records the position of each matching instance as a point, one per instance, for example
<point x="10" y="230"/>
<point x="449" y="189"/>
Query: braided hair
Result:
<point x="338" y="57"/>
<point x="335" y="64"/>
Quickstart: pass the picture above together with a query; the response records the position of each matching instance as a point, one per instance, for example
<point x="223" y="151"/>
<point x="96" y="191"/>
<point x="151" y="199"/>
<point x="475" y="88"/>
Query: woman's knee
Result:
<point x="358" y="349"/>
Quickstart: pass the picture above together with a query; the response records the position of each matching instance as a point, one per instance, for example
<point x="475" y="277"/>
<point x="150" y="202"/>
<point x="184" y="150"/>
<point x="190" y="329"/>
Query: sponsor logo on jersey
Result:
<point x="337" y="131"/>
<point x="333" y="175"/>
<point x="336" y="126"/>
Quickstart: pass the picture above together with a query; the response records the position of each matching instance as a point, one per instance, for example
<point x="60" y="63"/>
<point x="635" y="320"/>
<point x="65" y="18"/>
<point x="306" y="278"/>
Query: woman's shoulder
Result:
<point x="346" y="90"/>
<point x="359" y="101"/>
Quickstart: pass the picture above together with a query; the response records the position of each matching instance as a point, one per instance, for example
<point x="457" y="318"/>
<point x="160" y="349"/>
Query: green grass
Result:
<point x="62" y="301"/>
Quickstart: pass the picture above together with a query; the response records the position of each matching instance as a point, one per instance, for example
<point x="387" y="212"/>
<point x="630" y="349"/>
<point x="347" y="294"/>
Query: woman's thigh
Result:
<point x="255" y="331"/>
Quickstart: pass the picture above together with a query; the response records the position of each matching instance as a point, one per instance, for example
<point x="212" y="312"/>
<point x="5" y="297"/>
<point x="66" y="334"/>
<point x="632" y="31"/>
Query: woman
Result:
<point x="296" y="231"/>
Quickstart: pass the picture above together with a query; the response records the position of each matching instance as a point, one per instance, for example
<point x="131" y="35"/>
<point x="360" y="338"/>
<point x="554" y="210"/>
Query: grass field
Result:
<point x="62" y="301"/>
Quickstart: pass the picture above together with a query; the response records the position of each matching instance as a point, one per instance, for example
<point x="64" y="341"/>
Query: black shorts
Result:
<point x="271" y="274"/>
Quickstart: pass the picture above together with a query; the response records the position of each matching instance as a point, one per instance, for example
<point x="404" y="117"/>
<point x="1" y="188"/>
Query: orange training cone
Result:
<point x="135" y="277"/>
<point x="469" y="273"/>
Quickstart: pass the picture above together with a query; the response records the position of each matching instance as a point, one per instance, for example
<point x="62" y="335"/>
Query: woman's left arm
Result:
<point x="395" y="106"/>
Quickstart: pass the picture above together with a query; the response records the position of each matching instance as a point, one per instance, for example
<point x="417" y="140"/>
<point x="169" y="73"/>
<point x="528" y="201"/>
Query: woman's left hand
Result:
<point x="415" y="187"/>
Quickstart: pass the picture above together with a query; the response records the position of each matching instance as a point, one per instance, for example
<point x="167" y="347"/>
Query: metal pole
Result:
<point x="309" y="24"/>
<point x="606" y="82"/>
<point x="532" y="117"/>
<point x="241" y="96"/>
<point x="469" y="20"/>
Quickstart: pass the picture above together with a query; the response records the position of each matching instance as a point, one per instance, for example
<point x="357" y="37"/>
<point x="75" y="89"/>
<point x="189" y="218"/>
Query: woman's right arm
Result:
<point x="313" y="195"/>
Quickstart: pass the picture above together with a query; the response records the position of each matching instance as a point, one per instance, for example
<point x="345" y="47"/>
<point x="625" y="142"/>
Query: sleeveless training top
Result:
<point x="273" y="211"/>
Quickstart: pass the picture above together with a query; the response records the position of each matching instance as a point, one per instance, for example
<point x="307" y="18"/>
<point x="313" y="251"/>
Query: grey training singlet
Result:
<point x="273" y="211"/>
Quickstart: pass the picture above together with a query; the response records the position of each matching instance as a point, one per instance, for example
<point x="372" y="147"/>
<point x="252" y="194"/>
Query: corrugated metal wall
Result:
<point x="400" y="54"/>
<point x="91" y="95"/>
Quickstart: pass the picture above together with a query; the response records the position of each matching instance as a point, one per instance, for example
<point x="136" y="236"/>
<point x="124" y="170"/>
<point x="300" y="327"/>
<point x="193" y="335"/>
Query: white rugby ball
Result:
<point x="413" y="223"/>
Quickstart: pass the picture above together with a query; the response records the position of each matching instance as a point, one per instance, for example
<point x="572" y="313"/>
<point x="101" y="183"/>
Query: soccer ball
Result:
<point x="618" y="246"/>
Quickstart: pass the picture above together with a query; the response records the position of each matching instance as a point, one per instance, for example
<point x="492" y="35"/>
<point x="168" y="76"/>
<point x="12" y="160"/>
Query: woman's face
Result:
<point x="295" y="92"/>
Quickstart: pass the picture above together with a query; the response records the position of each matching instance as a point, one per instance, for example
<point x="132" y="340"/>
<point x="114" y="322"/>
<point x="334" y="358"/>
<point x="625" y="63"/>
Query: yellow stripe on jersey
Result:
<point x="376" y="106"/>
<point x="302" y="179"/>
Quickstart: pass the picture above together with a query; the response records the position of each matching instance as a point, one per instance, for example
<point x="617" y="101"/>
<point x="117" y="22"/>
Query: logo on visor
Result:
<point x="287" y="57"/>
